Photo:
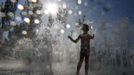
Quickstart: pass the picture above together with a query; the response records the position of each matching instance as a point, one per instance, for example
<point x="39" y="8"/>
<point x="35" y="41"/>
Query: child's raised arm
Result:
<point x="75" y="41"/>
<point x="92" y="36"/>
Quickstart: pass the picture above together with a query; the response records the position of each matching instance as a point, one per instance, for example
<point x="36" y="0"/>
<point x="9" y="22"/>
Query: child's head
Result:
<point x="85" y="28"/>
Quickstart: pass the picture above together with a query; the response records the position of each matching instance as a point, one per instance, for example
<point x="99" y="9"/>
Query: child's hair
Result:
<point x="85" y="27"/>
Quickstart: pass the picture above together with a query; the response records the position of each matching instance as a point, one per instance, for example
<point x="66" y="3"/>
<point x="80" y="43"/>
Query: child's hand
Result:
<point x="93" y="35"/>
<point x="69" y="37"/>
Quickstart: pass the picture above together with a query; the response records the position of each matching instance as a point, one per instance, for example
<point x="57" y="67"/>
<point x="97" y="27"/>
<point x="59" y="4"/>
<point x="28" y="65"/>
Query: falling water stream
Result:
<point x="50" y="52"/>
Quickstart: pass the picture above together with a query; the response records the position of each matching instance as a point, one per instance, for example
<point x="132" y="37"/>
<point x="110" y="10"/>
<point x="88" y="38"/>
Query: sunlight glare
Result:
<point x="52" y="8"/>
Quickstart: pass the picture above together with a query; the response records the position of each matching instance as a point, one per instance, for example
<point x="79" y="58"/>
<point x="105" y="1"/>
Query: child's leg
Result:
<point x="86" y="64"/>
<point x="80" y="63"/>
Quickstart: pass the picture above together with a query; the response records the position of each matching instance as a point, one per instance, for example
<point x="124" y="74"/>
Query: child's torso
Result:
<point x="85" y="41"/>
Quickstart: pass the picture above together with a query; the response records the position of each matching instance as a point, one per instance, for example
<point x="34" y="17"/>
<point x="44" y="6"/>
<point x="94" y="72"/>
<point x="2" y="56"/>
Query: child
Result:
<point x="85" y="47"/>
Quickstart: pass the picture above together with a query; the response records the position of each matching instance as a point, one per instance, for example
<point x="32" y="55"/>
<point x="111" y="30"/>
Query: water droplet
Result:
<point x="64" y="6"/>
<point x="62" y="31"/>
<point x="68" y="26"/>
<point x="36" y="21"/>
<point x="17" y="18"/>
<point x="38" y="12"/>
<point x="14" y="1"/>
<point x="79" y="1"/>
<point x="27" y="20"/>
<point x="24" y="13"/>
<point x="34" y="1"/>
<point x="13" y="23"/>
<point x="30" y="12"/>
<point x="20" y="7"/>
<point x="76" y="24"/>
<point x="70" y="12"/>
<point x="24" y="32"/>
<point x="79" y="12"/>
<point x="86" y="4"/>
<point x="10" y="14"/>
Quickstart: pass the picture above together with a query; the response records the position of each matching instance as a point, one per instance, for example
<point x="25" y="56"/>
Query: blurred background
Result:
<point x="33" y="36"/>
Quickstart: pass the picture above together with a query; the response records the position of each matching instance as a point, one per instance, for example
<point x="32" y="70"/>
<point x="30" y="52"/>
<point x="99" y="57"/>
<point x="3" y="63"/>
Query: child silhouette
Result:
<point x="85" y="47"/>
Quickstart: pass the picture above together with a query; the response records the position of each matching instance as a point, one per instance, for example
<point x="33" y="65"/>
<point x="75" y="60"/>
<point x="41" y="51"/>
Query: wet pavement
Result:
<point x="18" y="67"/>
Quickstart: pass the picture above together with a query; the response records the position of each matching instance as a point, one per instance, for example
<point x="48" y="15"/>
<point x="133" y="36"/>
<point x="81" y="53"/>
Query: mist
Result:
<point x="34" y="41"/>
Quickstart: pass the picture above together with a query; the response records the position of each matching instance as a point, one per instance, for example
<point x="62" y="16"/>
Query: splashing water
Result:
<point x="50" y="48"/>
